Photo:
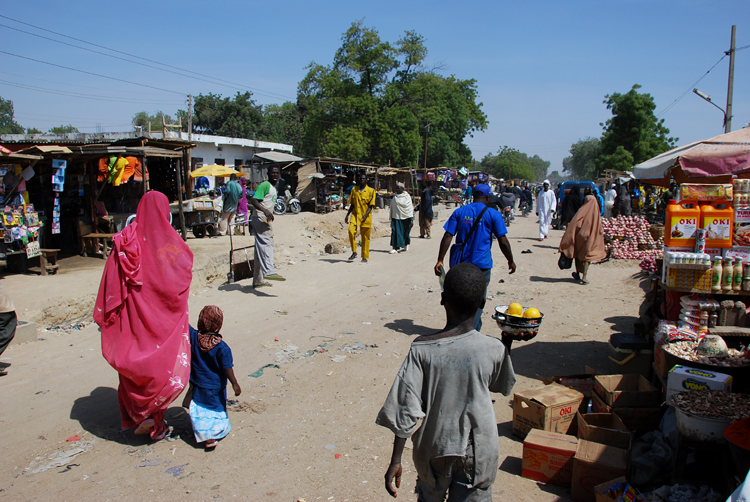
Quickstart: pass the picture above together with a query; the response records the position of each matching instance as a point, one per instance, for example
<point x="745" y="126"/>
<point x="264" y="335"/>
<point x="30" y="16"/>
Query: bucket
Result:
<point x="630" y="354"/>
<point x="717" y="218"/>
<point x="681" y="223"/>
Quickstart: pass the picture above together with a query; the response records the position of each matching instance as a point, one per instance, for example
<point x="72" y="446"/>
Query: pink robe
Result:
<point x="142" y="309"/>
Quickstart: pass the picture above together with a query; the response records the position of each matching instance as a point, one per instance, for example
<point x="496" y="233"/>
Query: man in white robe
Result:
<point x="546" y="203"/>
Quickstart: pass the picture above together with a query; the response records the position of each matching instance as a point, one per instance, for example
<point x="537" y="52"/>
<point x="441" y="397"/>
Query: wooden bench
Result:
<point x="95" y="237"/>
<point x="48" y="261"/>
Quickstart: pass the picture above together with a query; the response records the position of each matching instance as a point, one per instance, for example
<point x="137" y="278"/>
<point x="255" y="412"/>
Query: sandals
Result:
<point x="275" y="277"/>
<point x="576" y="276"/>
<point x="265" y="284"/>
<point x="211" y="444"/>
<point x="354" y="255"/>
<point x="145" y="426"/>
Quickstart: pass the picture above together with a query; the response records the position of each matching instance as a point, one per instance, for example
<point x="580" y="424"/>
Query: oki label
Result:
<point x="718" y="228"/>
<point x="683" y="228"/>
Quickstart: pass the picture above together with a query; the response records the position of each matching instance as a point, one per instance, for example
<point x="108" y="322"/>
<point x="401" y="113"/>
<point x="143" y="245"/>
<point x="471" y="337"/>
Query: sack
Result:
<point x="564" y="262"/>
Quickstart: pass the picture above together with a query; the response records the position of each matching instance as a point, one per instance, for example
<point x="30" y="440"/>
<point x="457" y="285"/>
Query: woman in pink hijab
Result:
<point x="142" y="309"/>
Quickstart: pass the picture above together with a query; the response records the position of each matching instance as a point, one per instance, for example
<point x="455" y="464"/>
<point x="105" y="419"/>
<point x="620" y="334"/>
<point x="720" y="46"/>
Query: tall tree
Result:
<point x="282" y="124"/>
<point x="633" y="130"/>
<point x="510" y="164"/>
<point x="8" y="124"/>
<point x="375" y="101"/>
<point x="239" y="117"/>
<point x="142" y="119"/>
<point x="582" y="161"/>
<point x="63" y="129"/>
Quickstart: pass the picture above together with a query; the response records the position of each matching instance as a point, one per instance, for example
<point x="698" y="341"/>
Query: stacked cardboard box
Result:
<point x="635" y="401"/>
<point x="548" y="457"/>
<point x="549" y="408"/>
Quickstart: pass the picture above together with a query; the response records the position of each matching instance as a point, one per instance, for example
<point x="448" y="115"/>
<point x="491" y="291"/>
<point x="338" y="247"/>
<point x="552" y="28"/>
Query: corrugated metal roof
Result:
<point x="278" y="157"/>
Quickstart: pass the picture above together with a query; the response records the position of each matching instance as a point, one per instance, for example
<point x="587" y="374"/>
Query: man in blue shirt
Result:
<point x="475" y="247"/>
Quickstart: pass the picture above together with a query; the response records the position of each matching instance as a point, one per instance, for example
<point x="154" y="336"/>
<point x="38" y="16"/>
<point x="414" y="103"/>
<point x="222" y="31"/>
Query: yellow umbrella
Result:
<point x="215" y="170"/>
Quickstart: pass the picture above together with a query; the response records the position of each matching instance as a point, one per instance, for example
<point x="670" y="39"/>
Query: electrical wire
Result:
<point x="76" y="85"/>
<point x="688" y="90"/>
<point x="91" y="73"/>
<point x="213" y="80"/>
<point x="85" y="96"/>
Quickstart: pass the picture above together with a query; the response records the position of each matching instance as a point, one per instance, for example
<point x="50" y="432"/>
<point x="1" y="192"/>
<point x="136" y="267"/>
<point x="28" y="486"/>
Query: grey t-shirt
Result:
<point x="447" y="383"/>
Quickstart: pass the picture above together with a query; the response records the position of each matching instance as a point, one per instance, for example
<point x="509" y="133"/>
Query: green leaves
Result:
<point x="510" y="164"/>
<point x="8" y="125"/>
<point x="633" y="134"/>
<point x="582" y="161"/>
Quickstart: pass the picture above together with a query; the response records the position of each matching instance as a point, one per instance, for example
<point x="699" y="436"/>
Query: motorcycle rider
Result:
<point x="526" y="197"/>
<point x="507" y="199"/>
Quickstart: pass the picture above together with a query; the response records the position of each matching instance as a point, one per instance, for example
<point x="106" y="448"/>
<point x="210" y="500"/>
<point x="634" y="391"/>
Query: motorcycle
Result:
<point x="525" y="208"/>
<point x="287" y="202"/>
<point x="506" y="215"/>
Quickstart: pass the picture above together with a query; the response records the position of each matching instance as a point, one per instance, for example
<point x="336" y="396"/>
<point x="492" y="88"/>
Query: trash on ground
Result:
<point x="259" y="372"/>
<point x="59" y="458"/>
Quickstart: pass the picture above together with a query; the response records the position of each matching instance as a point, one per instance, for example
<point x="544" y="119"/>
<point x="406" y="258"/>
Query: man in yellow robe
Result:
<point x="361" y="202"/>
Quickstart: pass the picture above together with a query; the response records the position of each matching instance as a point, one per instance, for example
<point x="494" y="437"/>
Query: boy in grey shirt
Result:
<point x="446" y="380"/>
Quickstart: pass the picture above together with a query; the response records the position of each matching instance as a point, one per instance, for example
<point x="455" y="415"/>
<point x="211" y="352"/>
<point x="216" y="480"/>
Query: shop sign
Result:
<point x="32" y="249"/>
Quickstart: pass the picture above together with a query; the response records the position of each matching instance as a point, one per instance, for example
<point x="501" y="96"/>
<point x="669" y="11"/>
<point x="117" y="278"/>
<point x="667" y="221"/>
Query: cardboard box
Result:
<point x="600" y="489"/>
<point x="582" y="383"/>
<point x="548" y="408"/>
<point x="595" y="464"/>
<point x="626" y="391"/>
<point x="548" y="457"/>
<point x="604" y="428"/>
<point x="637" y="420"/>
<point x="685" y="378"/>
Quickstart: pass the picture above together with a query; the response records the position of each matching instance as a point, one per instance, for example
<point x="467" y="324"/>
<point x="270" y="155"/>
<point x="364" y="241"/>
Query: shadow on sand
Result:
<point x="407" y="327"/>
<point x="549" y="359"/>
<point x="247" y="289"/>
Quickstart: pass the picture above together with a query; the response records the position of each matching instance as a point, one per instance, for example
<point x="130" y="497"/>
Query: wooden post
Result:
<point x="179" y="194"/>
<point x="92" y="190"/>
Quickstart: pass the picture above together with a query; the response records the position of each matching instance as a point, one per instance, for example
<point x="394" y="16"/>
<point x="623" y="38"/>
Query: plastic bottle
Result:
<point x="737" y="275"/>
<point x="717" y="217"/>
<point x="682" y="221"/>
<point x="727" y="272"/>
<point x="716" y="273"/>
<point x="746" y="276"/>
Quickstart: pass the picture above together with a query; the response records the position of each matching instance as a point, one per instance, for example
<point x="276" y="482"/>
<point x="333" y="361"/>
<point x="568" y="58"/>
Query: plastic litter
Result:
<point x="259" y="372"/>
<point x="338" y="359"/>
<point x="73" y="438"/>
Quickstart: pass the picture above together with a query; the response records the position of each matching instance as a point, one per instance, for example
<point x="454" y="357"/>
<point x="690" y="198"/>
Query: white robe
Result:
<point x="546" y="203"/>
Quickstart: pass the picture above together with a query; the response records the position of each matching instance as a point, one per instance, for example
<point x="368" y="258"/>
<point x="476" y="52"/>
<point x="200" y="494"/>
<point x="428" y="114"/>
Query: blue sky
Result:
<point x="542" y="67"/>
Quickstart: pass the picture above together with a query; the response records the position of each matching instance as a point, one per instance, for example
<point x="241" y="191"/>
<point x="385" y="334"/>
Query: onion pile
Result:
<point x="630" y="238"/>
<point x="649" y="264"/>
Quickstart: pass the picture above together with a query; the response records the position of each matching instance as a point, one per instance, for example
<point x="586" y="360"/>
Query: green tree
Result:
<point x="282" y="124"/>
<point x="33" y="130"/>
<point x="63" y="129"/>
<point x="510" y="164"/>
<point x="375" y="102"/>
<point x="582" y="161"/>
<point x="633" y="130"/>
<point x="239" y="117"/>
<point x="8" y="125"/>
<point x="142" y="119"/>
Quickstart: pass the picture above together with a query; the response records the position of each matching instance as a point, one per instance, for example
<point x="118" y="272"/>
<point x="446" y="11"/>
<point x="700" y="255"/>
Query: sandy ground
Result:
<point x="305" y="429"/>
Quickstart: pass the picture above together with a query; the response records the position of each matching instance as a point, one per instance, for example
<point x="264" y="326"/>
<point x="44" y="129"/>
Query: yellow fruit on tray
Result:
<point x="515" y="309"/>
<point x="532" y="312"/>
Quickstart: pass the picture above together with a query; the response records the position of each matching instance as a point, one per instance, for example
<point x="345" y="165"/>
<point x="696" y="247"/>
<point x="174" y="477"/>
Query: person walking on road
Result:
<point x="232" y="194"/>
<point x="402" y="219"/>
<point x="425" y="213"/>
<point x="609" y="201"/>
<point x="546" y="203"/>
<point x="583" y="239"/>
<point x="474" y="226"/>
<point x="263" y="202"/>
<point x="361" y="202"/>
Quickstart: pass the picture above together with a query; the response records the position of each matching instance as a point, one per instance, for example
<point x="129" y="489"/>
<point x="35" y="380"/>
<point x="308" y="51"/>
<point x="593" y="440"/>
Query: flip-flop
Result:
<point x="354" y="255"/>
<point x="3" y="372"/>
<point x="211" y="444"/>
<point x="264" y="285"/>
<point x="584" y="282"/>
<point x="275" y="277"/>
<point x="145" y="426"/>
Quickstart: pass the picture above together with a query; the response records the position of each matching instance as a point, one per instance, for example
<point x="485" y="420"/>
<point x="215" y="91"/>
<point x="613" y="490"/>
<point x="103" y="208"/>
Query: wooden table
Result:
<point x="48" y="261"/>
<point x="95" y="237"/>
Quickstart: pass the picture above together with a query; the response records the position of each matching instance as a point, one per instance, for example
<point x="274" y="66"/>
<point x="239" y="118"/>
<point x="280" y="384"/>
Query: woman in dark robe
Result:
<point x="570" y="205"/>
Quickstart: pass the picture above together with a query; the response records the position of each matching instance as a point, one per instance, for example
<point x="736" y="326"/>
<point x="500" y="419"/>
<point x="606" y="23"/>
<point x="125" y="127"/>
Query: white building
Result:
<point x="226" y="151"/>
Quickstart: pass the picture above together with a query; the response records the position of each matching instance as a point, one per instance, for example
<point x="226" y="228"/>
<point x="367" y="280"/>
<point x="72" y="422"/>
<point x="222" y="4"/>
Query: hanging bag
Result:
<point x="564" y="262"/>
<point x="457" y="250"/>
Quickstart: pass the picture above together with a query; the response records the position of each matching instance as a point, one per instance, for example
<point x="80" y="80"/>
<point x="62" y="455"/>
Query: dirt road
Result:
<point x="305" y="429"/>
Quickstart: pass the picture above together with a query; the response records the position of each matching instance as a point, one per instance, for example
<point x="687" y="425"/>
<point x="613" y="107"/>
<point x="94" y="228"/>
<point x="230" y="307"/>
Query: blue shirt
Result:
<point x="207" y="373"/>
<point x="478" y="249"/>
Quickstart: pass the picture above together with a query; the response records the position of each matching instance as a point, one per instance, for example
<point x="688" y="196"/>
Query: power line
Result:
<point x="214" y="80"/>
<point x="91" y="73"/>
<point x="84" y="96"/>
<point x="687" y="91"/>
<point x="75" y="85"/>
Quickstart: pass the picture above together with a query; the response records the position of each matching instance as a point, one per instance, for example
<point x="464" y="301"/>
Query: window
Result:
<point x="219" y="161"/>
<point x="196" y="163"/>
<point x="237" y="164"/>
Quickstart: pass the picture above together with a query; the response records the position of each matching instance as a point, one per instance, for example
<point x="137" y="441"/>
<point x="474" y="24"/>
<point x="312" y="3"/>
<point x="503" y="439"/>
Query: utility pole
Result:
<point x="189" y="156"/>
<point x="730" y="86"/>
<point x="427" y="135"/>
<point x="190" y="117"/>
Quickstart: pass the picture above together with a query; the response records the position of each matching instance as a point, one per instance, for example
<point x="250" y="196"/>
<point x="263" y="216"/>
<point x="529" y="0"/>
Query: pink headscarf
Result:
<point x="142" y="309"/>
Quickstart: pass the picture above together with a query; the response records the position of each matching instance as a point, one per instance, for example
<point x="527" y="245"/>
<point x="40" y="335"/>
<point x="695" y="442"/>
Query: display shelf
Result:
<point x="703" y="291"/>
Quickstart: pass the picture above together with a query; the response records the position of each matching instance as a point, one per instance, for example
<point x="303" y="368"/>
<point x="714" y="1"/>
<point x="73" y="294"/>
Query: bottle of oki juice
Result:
<point x="716" y="274"/>
<point x="681" y="223"/>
